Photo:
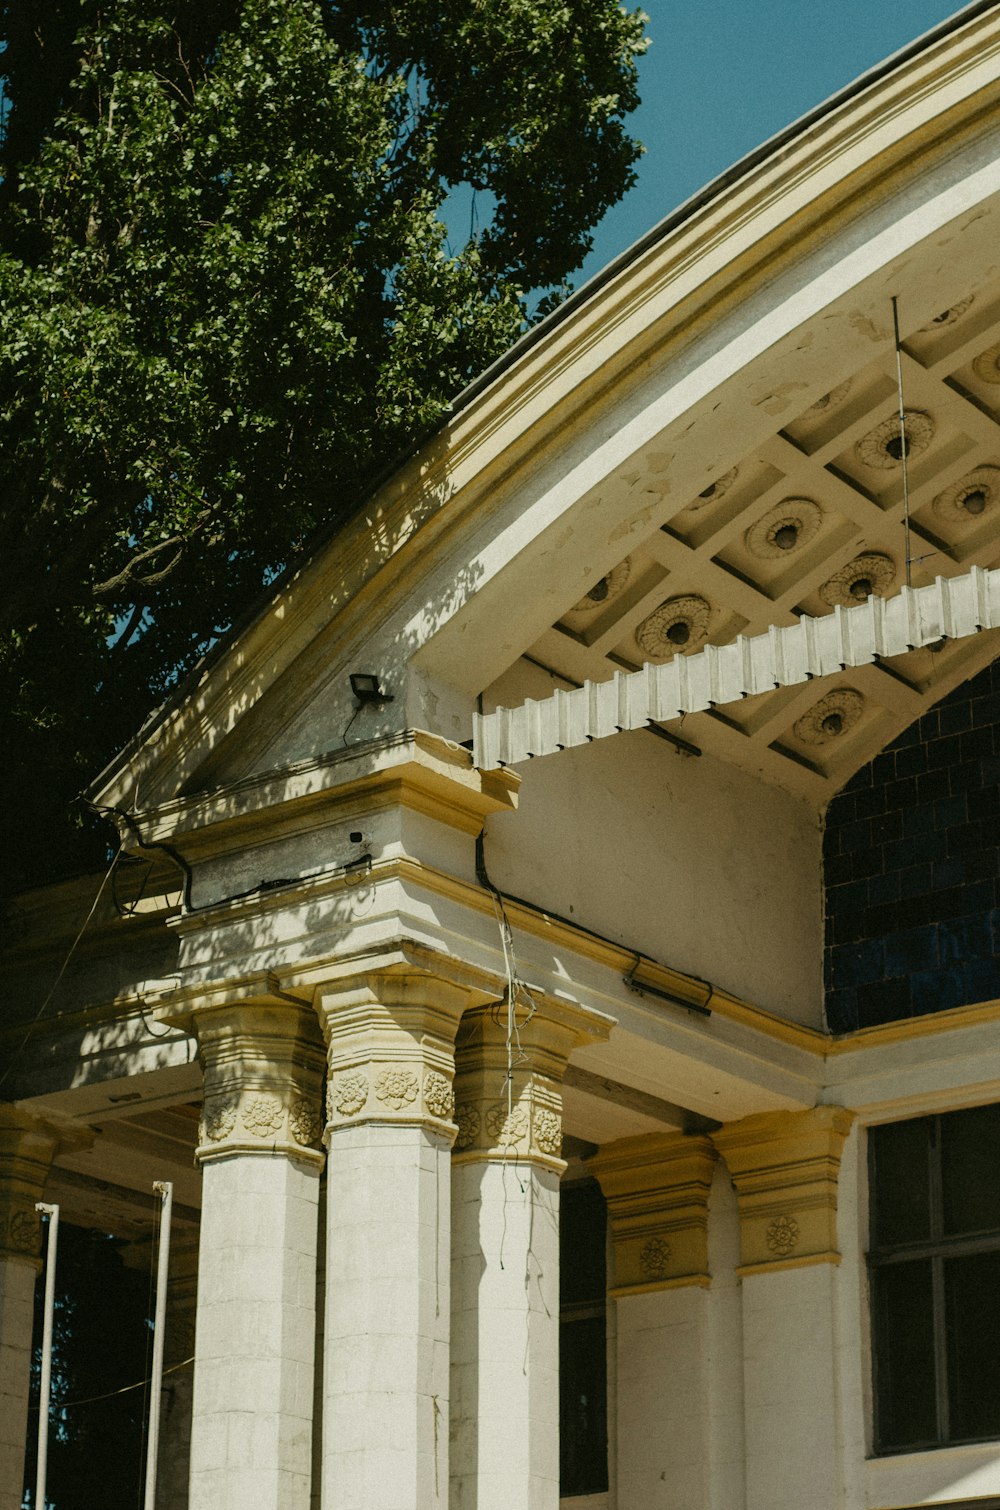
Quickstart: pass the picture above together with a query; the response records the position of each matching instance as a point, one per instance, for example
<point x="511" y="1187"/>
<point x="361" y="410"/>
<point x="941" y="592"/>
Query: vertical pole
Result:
<point x="903" y="444"/>
<point x="52" y="1212"/>
<point x="166" y="1191"/>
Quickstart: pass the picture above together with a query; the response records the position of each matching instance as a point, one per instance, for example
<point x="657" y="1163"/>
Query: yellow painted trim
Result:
<point x="913" y="1028"/>
<point x="682" y="1282"/>
<point x="795" y="1034"/>
<point x="543" y="925"/>
<point x="675" y="983"/>
<point x="805" y="1262"/>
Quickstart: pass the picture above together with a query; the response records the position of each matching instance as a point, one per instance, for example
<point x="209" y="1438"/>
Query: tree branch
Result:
<point x="130" y="575"/>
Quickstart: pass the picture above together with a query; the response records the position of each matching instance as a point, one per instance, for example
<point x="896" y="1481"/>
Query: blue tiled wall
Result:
<point x="912" y="868"/>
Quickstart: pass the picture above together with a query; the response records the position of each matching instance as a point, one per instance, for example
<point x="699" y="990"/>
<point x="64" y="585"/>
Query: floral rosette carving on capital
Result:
<point x="439" y="1096"/>
<point x="782" y="1235"/>
<point x="506" y="1129"/>
<point x="263" y="1114"/>
<point x="548" y="1132"/>
<point x="469" y="1122"/>
<point x="654" y="1257"/>
<point x="397" y="1088"/>
<point x="219" y="1117"/>
<point x="20" y="1231"/>
<point x="304" y="1121"/>
<point x="346" y="1095"/>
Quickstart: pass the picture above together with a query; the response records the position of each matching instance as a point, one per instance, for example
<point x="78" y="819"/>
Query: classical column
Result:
<point x="657" y="1190"/>
<point x="505" y="1253"/>
<point x="28" y="1145"/>
<point x="785" y="1168"/>
<point x="390" y="1034"/>
<point x="251" y="1429"/>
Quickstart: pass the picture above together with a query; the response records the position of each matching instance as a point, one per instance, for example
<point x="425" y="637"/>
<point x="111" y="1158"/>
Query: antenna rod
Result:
<point x="902" y="439"/>
<point x="166" y="1192"/>
<point x="52" y="1212"/>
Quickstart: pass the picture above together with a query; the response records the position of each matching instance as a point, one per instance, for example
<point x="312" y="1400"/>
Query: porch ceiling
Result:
<point x="812" y="518"/>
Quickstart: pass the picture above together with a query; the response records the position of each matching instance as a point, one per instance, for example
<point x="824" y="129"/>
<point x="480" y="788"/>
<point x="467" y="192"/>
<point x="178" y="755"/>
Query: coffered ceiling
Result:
<point x="813" y="518"/>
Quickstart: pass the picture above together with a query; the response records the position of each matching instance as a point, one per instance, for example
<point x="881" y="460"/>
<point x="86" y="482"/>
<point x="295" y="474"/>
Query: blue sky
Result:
<point x="721" y="76"/>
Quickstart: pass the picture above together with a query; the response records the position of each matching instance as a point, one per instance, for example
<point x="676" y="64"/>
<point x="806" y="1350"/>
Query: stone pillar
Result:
<point x="657" y="1190"/>
<point x="390" y="1034"/>
<point x="27" y="1147"/>
<point x="251" y="1429"/>
<point x="785" y="1167"/>
<point x="505" y="1253"/>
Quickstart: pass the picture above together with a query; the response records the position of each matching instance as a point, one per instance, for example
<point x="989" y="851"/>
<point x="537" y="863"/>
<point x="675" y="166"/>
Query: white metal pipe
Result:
<point x="166" y="1192"/>
<point x="52" y="1212"/>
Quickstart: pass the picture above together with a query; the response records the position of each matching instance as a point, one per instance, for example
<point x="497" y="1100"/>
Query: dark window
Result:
<point x="583" y="1372"/>
<point x="935" y="1279"/>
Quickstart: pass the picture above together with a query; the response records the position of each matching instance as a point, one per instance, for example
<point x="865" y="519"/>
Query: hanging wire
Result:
<point x="902" y="439"/>
<point x="111" y="1394"/>
<point x="515" y="993"/>
<point x="63" y="967"/>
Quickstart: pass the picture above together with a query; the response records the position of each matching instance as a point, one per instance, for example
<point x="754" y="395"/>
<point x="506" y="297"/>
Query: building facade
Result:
<point x="691" y="953"/>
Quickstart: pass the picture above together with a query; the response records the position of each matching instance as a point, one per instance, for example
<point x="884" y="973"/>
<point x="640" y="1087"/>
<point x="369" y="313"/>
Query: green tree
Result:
<point x="227" y="296"/>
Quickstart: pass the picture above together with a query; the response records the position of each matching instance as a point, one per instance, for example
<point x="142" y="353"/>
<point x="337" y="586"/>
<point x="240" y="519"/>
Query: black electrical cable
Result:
<point x="260" y="888"/>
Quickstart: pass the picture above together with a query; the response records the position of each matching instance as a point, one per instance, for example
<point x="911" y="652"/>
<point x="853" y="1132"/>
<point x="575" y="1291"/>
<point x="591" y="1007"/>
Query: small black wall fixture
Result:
<point x="368" y="689"/>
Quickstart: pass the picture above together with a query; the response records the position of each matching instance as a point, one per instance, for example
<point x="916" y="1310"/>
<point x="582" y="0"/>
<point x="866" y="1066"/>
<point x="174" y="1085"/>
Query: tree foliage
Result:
<point x="227" y="297"/>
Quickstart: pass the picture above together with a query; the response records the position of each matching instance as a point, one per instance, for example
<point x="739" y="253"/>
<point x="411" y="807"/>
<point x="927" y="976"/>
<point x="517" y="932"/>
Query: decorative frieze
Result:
<point x="785" y="1167"/>
<point x="28" y="1145"/>
<point x="263" y="1062"/>
<point x="20" y="1231"/>
<point x="657" y="1190"/>
<point x="390" y="1047"/>
<point x="509" y="1070"/>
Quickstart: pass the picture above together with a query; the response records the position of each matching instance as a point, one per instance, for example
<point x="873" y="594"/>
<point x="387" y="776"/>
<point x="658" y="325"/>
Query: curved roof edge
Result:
<point x="580" y="300"/>
<point x="709" y="191"/>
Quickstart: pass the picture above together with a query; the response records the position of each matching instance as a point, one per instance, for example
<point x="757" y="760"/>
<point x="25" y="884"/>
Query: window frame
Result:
<point x="937" y="1248"/>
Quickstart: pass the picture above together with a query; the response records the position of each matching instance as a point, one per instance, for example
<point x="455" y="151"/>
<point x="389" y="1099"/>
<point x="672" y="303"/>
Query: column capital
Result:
<point x="657" y="1188"/>
<point x="390" y="1026"/>
<point x="785" y="1167"/>
<point x="28" y="1145"/>
<point x="262" y="1056"/>
<point x="509" y="1077"/>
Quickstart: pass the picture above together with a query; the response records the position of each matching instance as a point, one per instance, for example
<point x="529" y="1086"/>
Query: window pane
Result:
<point x="901" y="1182"/>
<point x="583" y="1407"/>
<point x="972" y="1311"/>
<point x="582" y="1220"/>
<point x="970" y="1169"/>
<point x="905" y="1411"/>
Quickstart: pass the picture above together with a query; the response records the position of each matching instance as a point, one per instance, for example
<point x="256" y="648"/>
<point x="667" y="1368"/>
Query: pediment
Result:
<point x="700" y="445"/>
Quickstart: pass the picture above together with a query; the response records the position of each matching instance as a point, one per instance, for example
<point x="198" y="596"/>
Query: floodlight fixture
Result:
<point x="368" y="689"/>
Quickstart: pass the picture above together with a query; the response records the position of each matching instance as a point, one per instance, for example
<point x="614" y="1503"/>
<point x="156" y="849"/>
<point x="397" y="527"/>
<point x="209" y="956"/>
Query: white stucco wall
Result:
<point x="688" y="860"/>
